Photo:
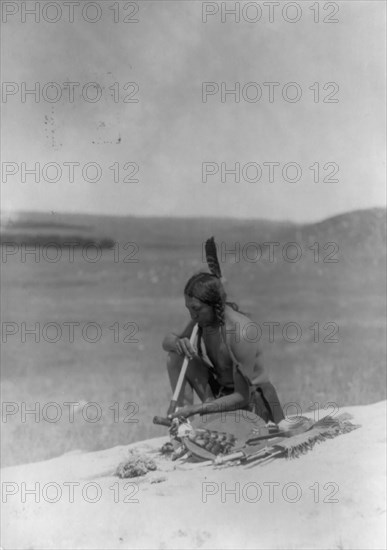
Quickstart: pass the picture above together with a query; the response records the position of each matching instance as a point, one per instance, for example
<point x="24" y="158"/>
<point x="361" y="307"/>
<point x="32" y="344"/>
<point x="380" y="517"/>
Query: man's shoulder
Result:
<point x="234" y="317"/>
<point x="237" y="326"/>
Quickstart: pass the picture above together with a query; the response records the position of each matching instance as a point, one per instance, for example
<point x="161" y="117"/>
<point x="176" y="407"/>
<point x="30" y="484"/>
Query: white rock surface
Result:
<point x="338" y="494"/>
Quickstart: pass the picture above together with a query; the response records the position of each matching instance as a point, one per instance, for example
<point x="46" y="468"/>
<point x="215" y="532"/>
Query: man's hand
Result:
<point x="184" y="412"/>
<point x="184" y="347"/>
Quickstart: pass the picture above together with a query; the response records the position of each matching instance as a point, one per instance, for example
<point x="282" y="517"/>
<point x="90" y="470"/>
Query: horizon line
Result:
<point x="10" y="213"/>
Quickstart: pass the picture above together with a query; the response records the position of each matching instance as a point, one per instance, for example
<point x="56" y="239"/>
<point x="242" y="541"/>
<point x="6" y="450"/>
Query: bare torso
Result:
<point x="220" y="356"/>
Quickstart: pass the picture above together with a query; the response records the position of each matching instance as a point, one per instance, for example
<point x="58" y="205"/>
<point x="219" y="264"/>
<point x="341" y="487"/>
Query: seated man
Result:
<point x="226" y="368"/>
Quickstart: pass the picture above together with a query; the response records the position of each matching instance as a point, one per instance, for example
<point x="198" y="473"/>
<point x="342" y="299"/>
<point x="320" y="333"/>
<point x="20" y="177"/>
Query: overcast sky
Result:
<point x="170" y="132"/>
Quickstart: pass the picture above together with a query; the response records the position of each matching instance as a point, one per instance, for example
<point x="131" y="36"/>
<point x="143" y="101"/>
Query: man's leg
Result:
<point x="196" y="378"/>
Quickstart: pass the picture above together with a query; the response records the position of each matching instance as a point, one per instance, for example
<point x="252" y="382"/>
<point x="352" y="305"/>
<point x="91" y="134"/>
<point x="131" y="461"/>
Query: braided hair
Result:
<point x="208" y="288"/>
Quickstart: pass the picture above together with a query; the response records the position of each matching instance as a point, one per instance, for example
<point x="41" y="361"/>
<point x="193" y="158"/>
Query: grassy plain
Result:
<point x="147" y="294"/>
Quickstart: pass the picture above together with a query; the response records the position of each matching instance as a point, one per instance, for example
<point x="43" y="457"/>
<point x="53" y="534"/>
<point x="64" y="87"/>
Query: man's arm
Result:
<point x="245" y="356"/>
<point x="171" y="339"/>
<point x="237" y="400"/>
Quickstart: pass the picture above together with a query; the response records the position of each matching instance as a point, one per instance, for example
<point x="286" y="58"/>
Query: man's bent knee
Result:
<point x="174" y="360"/>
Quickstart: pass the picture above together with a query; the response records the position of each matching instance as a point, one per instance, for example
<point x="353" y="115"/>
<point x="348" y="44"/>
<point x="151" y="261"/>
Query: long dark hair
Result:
<point x="209" y="289"/>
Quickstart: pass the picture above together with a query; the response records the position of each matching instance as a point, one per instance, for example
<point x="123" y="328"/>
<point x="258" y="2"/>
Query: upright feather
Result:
<point x="212" y="258"/>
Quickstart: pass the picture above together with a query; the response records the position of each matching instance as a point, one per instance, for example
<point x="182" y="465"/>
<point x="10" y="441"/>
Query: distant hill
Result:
<point x="360" y="226"/>
<point x="356" y="240"/>
<point x="360" y="230"/>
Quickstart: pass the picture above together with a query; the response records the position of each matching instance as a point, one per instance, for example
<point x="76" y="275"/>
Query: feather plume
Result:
<point x="212" y="258"/>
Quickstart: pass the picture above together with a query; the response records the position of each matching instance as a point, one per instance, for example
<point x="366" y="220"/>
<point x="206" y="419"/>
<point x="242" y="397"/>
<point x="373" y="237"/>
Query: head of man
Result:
<point x="205" y="299"/>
